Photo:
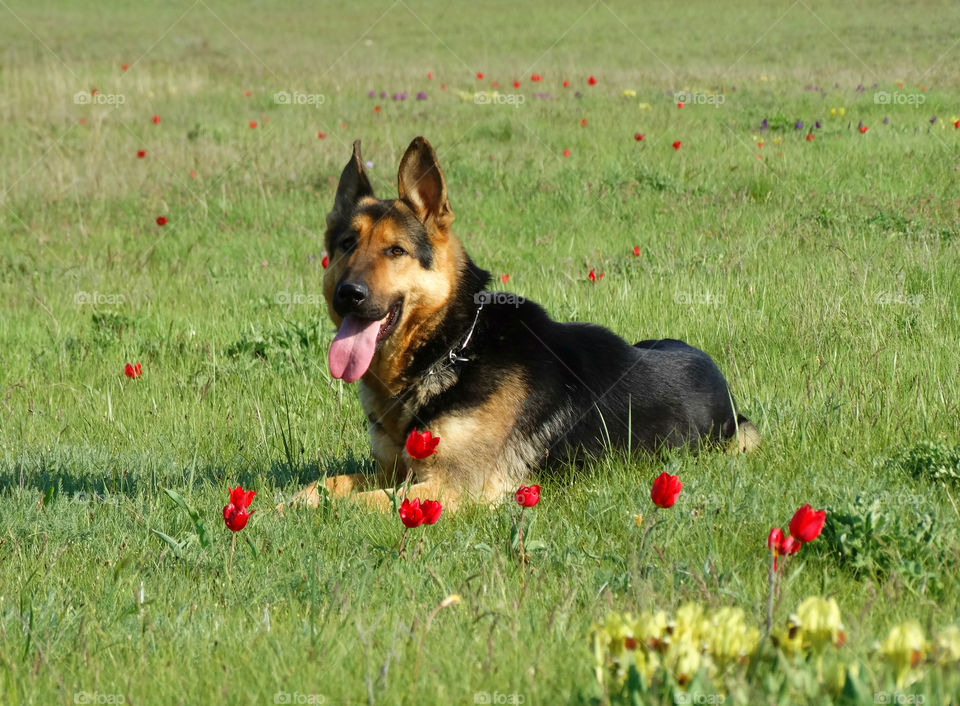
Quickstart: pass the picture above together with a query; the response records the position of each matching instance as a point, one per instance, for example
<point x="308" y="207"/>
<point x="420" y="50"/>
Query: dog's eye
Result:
<point x="396" y="251"/>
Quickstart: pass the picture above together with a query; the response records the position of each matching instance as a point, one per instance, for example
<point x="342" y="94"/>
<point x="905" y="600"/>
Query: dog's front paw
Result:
<point x="308" y="497"/>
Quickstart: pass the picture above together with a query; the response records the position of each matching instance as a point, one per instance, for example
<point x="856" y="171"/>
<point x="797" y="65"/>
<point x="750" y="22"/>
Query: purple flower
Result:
<point x="371" y="94"/>
<point x="544" y="96"/>
<point x="886" y="121"/>
<point x="798" y="125"/>
<point x="765" y="124"/>
<point x="369" y="165"/>
<point x="860" y="125"/>
<point x="933" y="119"/>
<point x="578" y="94"/>
<point x="422" y="96"/>
<point x="383" y="94"/>
<point x="817" y="125"/>
<point x="860" y="88"/>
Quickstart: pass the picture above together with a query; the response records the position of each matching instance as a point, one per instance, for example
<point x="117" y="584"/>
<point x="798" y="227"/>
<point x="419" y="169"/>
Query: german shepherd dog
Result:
<point x="506" y="388"/>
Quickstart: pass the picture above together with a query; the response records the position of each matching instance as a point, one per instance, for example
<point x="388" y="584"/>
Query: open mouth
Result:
<point x="390" y="321"/>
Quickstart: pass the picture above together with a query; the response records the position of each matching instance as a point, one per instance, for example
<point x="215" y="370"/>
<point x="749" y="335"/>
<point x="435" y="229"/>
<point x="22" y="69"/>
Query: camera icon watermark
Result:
<point x="82" y="298"/>
<point x="286" y="697"/>
<point x="97" y="98"/>
<point x="496" y="697"/>
<point x="298" y="98"/>
<point x="699" y="98"/>
<point x="495" y="98"/>
<point x="501" y="298"/>
<point x="897" y="98"/>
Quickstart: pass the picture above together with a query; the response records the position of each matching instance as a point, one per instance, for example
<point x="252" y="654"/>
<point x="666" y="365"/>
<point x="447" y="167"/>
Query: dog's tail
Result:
<point x="746" y="438"/>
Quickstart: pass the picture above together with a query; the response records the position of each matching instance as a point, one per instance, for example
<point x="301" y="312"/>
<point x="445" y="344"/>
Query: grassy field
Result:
<point x="822" y="273"/>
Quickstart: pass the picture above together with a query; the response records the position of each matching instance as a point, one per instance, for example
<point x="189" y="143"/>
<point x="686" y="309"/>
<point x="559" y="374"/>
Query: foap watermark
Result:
<point x="699" y="298"/>
<point x="498" y="697"/>
<point x="82" y="497"/>
<point x="698" y="98"/>
<point x="286" y="298"/>
<point x="485" y="98"/>
<point x="97" y="98"/>
<point x="684" y="698"/>
<point x="503" y="298"/>
<point x="298" y="98"/>
<point x="885" y="497"/>
<point x="898" y="299"/>
<point x="97" y="697"/>
<point x="81" y="298"/>
<point x="895" y="697"/>
<point x="286" y="697"/>
<point x="897" y="98"/>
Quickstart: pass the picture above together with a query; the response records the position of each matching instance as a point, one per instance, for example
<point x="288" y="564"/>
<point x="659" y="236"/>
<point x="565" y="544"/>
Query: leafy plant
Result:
<point x="928" y="460"/>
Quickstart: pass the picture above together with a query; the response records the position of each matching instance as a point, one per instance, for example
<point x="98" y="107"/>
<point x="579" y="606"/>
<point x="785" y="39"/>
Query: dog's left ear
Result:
<point x="421" y="184"/>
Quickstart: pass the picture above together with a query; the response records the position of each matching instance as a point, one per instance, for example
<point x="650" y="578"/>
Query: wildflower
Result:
<point x="421" y="445"/>
<point x="235" y="513"/>
<point x="806" y="524"/>
<point x="133" y="371"/>
<point x="665" y="490"/>
<point x="528" y="496"/>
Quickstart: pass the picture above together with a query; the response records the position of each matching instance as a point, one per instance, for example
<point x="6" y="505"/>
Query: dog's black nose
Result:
<point x="352" y="294"/>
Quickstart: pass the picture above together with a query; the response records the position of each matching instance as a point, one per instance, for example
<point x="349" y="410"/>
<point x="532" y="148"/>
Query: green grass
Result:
<point x="823" y="277"/>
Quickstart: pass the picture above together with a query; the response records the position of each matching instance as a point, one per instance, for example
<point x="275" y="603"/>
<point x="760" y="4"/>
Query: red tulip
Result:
<point x="535" y="77"/>
<point x="665" y="490"/>
<point x="141" y="154"/>
<point x="789" y="546"/>
<point x="253" y="124"/>
<point x="593" y="276"/>
<point x="161" y="220"/>
<point x="235" y="513"/>
<point x="636" y="251"/>
<point x="411" y="514"/>
<point x="124" y="67"/>
<point x="431" y="511"/>
<point x="592" y="81"/>
<point x="325" y="261"/>
<point x="528" y="496"/>
<point x="775" y="539"/>
<point x="810" y="137"/>
<point x="566" y="84"/>
<point x="421" y="445"/>
<point x="516" y="84"/>
<point x="863" y="129"/>
<point x="583" y="122"/>
<point x="156" y="119"/>
<point x="247" y="93"/>
<point x="806" y="524"/>
<point x="680" y="104"/>
<point x="677" y="144"/>
<point x="479" y="75"/>
<point x="566" y="153"/>
<point x="504" y="278"/>
<point x="321" y="135"/>
<point x="429" y="74"/>
<point x="132" y="371"/>
<point x="638" y="136"/>
<point x="956" y="124"/>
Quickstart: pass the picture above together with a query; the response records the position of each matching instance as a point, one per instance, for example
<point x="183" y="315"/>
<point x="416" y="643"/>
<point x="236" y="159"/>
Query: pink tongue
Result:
<point x="353" y="348"/>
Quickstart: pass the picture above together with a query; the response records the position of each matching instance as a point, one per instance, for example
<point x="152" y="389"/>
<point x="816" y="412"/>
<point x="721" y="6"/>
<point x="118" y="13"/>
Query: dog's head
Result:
<point x="394" y="264"/>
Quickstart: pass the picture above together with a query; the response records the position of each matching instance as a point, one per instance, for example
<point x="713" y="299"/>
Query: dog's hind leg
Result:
<point x="746" y="438"/>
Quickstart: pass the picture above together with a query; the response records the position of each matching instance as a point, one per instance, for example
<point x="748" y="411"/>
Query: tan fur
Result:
<point x="746" y="440"/>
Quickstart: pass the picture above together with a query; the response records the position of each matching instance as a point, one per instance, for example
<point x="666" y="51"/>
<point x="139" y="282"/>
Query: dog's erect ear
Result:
<point x="421" y="185"/>
<point x="353" y="186"/>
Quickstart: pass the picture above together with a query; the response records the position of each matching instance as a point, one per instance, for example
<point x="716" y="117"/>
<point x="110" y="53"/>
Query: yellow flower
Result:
<point x="777" y="140"/>
<point x="691" y="625"/>
<point x="842" y="111"/>
<point x="628" y="93"/>
<point x="618" y="629"/>
<point x="643" y="106"/>
<point x="649" y="629"/>
<point x="946" y="645"/>
<point x="833" y="111"/>
<point x="684" y="660"/>
<point x="790" y="638"/>
<point x="729" y="639"/>
<point x="821" y="623"/>
<point x="905" y="648"/>
<point x="638" y="518"/>
<point x="647" y="664"/>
